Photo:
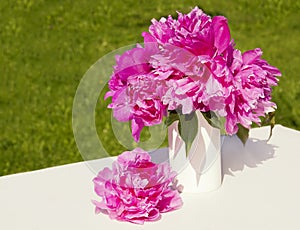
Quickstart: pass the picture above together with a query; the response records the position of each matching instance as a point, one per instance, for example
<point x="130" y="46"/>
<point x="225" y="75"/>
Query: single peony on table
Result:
<point x="136" y="189"/>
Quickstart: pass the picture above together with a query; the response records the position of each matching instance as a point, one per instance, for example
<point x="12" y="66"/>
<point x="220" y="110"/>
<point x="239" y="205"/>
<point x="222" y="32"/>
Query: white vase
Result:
<point x="200" y="170"/>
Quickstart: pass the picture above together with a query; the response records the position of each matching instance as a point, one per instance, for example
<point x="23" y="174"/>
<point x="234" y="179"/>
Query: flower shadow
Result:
<point x="236" y="157"/>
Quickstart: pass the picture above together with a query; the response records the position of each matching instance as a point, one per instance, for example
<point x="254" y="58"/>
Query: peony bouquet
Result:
<point x="190" y="64"/>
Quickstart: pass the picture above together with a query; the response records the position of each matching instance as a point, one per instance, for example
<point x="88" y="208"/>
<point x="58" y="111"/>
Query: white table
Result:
<point x="260" y="190"/>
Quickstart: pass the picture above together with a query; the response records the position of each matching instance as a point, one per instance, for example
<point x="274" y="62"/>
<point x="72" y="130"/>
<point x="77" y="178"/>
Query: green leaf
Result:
<point x="243" y="134"/>
<point x="188" y="128"/>
<point x="270" y="120"/>
<point x="215" y="121"/>
<point x="173" y="116"/>
<point x="272" y="124"/>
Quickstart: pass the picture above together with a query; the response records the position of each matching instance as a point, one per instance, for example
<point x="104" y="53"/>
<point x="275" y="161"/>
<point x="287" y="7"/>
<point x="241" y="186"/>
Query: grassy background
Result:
<point x="46" y="46"/>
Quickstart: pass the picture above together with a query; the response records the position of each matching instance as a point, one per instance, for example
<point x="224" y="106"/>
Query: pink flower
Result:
<point x="193" y="60"/>
<point x="135" y="91"/>
<point x="196" y="32"/>
<point x="135" y="189"/>
<point x="250" y="92"/>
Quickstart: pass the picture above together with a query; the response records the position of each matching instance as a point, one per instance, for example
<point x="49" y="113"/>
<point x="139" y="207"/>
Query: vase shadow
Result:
<point x="236" y="156"/>
<point x="160" y="155"/>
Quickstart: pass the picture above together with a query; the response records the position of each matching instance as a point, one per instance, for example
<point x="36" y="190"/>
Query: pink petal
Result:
<point x="136" y="126"/>
<point x="221" y="33"/>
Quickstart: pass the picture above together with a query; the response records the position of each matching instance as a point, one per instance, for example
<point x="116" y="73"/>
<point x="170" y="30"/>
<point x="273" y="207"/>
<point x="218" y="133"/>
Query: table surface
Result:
<point x="260" y="190"/>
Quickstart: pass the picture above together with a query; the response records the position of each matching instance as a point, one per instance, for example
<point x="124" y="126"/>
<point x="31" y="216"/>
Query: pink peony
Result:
<point x="195" y="49"/>
<point x="196" y="32"/>
<point x="135" y="91"/>
<point x="250" y="91"/>
<point x="135" y="189"/>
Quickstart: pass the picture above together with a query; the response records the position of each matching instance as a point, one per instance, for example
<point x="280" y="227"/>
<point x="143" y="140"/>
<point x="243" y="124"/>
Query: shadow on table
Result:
<point x="236" y="156"/>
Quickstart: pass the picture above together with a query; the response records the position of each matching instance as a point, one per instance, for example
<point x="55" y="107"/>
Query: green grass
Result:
<point x="47" y="46"/>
